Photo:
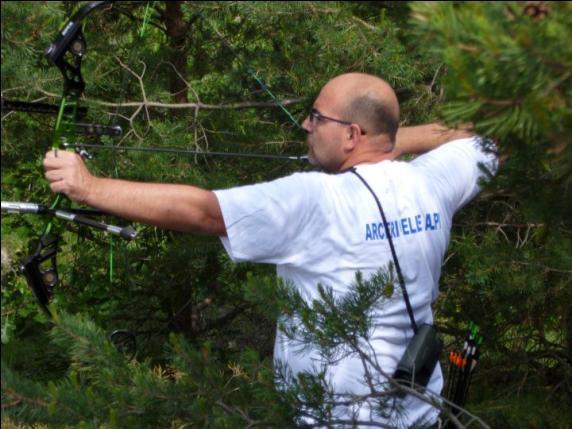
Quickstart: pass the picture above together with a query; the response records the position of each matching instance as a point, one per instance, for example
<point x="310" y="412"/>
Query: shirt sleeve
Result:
<point x="264" y="222"/>
<point x="454" y="170"/>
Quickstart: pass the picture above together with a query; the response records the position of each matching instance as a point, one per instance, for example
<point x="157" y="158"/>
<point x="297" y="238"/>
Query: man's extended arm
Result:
<point x="182" y="207"/>
<point x="423" y="138"/>
<point x="177" y="207"/>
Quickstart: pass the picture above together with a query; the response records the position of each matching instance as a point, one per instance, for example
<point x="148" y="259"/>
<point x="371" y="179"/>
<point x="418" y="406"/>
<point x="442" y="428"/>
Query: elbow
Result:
<point x="202" y="215"/>
<point x="212" y="226"/>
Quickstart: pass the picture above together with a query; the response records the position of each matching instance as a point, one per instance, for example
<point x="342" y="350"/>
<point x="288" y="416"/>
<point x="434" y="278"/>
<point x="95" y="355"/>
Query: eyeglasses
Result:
<point x="315" y="115"/>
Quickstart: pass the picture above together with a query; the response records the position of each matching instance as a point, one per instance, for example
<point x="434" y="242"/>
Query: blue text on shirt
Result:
<point x="405" y="226"/>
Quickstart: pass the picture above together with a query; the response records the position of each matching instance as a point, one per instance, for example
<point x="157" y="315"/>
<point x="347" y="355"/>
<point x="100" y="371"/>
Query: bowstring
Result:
<point x="146" y="18"/>
<point x="141" y="33"/>
<point x="265" y="88"/>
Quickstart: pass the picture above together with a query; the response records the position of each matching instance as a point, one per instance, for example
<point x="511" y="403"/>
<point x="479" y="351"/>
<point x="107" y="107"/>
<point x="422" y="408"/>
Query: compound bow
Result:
<point x="66" y="53"/>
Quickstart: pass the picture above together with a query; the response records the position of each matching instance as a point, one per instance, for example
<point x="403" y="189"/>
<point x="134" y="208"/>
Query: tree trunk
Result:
<point x="177" y="31"/>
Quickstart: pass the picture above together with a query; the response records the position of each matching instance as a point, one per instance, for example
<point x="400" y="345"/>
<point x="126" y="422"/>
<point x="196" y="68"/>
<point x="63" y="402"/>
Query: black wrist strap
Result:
<point x="392" y="247"/>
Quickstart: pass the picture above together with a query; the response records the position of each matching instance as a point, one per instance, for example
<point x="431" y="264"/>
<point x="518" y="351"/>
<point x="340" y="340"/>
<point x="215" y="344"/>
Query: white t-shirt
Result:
<point x="321" y="228"/>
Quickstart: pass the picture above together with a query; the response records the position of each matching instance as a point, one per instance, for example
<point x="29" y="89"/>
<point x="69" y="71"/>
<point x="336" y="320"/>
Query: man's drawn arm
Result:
<point x="423" y="138"/>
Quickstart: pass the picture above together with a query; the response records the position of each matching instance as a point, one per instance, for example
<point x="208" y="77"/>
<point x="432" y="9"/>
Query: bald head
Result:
<point x="368" y="101"/>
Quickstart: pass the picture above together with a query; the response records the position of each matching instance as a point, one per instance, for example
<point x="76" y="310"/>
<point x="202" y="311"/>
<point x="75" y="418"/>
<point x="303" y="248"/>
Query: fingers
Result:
<point x="58" y="158"/>
<point x="58" y="186"/>
<point x="55" y="177"/>
<point x="66" y="173"/>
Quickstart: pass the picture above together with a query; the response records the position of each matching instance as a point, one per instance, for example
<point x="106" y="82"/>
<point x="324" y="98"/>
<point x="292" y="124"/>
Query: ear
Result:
<point x="352" y="137"/>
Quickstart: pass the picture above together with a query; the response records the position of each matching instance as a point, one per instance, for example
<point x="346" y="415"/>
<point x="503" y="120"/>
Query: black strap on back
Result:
<point x="388" y="235"/>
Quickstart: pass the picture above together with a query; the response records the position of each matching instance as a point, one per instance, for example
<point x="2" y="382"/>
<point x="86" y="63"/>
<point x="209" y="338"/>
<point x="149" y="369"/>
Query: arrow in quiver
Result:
<point x="462" y="365"/>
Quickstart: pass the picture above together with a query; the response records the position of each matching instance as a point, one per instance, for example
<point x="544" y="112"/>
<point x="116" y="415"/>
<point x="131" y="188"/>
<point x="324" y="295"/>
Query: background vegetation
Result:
<point x="504" y="66"/>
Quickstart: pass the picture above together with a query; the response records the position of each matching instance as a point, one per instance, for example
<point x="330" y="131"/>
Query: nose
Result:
<point x="307" y="124"/>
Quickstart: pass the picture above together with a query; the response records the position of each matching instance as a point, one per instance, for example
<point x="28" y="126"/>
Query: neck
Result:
<point x="370" y="153"/>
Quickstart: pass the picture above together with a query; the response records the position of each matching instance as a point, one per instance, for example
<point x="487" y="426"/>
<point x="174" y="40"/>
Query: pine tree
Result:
<point x="506" y="69"/>
<point x="502" y="66"/>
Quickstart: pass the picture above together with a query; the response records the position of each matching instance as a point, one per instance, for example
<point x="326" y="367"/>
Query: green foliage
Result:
<point x="102" y="388"/>
<point x="332" y="322"/>
<point x="508" y="73"/>
<point x="534" y="409"/>
<point x="195" y="384"/>
<point x="332" y="327"/>
<point x="509" y="264"/>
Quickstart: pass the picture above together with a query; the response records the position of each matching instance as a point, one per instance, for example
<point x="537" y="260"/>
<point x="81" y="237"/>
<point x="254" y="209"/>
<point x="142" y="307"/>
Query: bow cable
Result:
<point x="183" y="151"/>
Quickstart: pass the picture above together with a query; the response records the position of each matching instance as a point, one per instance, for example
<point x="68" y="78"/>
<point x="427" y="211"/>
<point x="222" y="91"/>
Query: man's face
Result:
<point x="325" y="136"/>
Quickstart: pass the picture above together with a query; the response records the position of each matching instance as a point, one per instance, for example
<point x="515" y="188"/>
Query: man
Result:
<point x="321" y="228"/>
